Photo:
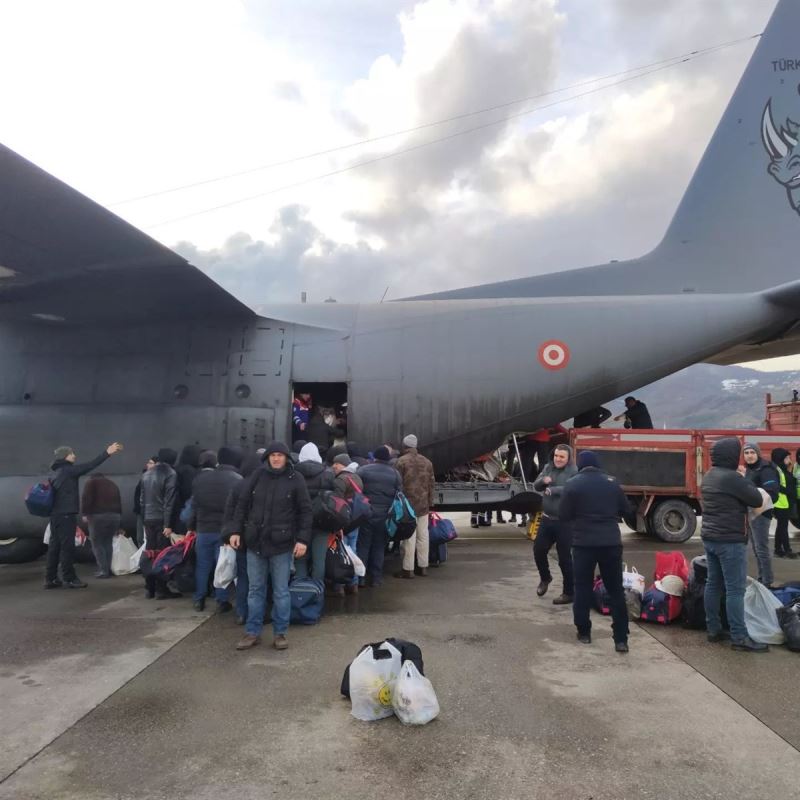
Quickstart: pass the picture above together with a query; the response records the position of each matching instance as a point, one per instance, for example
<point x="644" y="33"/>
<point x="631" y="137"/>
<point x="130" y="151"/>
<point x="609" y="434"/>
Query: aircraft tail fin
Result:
<point x="737" y="227"/>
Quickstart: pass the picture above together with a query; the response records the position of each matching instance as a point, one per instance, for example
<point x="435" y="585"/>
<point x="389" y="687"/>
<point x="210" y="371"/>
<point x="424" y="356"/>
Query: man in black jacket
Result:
<point x="636" y="415"/>
<point x="210" y="490"/>
<point x="763" y="475"/>
<point x="273" y="514"/>
<point x="726" y="497"/>
<point x="592" y="504"/>
<point x="382" y="482"/>
<point x="64" y="516"/>
<point x="158" y="498"/>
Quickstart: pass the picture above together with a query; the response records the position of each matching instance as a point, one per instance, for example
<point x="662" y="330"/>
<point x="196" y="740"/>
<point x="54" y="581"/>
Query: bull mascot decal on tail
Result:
<point x="781" y="145"/>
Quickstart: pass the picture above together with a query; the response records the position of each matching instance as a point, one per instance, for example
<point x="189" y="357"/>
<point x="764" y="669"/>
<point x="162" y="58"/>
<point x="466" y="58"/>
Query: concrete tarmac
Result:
<point x="108" y="695"/>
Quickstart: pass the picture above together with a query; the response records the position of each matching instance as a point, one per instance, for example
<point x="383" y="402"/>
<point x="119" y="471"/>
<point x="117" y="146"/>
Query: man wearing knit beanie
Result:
<point x="418" y="484"/>
<point x="593" y="503"/>
<point x="762" y="474"/>
<point x="382" y="482"/>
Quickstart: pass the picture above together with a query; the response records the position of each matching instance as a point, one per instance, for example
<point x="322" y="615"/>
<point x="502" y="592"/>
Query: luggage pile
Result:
<point x="387" y="679"/>
<point x="663" y="601"/>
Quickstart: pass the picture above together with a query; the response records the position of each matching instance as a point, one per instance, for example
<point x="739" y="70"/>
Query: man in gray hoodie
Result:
<point x="550" y="483"/>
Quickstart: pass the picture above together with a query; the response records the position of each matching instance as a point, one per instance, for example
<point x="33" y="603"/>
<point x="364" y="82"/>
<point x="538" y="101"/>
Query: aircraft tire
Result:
<point x="20" y="551"/>
<point x="673" y="521"/>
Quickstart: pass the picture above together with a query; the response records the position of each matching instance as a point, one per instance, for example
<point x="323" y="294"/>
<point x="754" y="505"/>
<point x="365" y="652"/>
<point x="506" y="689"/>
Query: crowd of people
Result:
<point x="261" y="505"/>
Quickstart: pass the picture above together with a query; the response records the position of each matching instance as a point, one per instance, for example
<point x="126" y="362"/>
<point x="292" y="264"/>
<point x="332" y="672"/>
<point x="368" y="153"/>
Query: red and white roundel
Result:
<point x="554" y="354"/>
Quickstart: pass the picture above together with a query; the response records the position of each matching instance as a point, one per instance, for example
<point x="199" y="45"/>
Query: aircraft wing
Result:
<point x="64" y="257"/>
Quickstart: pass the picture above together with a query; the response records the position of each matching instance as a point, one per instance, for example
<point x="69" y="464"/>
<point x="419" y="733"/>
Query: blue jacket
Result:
<point x="593" y="504"/>
<point x="381" y="483"/>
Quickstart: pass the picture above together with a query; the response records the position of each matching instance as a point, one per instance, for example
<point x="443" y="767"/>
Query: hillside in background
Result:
<point x="710" y="396"/>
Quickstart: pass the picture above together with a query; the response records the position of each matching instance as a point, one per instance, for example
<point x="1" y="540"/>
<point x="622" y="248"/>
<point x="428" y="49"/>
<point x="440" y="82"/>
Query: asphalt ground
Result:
<point x="104" y="694"/>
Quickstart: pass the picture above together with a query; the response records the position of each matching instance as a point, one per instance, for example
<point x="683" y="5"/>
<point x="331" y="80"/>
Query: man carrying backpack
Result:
<point x="418" y="484"/>
<point x="726" y="497"/>
<point x="382" y="482"/>
<point x="64" y="515"/>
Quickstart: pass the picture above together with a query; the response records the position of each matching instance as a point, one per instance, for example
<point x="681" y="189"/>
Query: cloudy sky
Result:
<point x="125" y="100"/>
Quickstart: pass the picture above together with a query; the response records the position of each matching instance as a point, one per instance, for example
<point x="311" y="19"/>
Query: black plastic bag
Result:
<point x="338" y="564"/>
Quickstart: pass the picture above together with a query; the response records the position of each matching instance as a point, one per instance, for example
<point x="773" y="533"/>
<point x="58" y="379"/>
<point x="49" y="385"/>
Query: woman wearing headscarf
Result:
<point x="319" y="478"/>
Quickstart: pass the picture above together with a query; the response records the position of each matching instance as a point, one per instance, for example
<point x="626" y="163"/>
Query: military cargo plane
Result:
<point x="107" y="335"/>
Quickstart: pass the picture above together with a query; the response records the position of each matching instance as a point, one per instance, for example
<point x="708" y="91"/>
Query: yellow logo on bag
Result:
<point x="535" y="524"/>
<point x="385" y="695"/>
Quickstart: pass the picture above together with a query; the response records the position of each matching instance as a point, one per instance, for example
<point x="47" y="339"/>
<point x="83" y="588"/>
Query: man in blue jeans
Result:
<point x="210" y="490"/>
<point x="726" y="497"/>
<point x="273" y="516"/>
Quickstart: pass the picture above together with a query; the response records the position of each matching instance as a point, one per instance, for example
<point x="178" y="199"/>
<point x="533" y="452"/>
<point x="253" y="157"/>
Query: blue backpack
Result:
<point x="402" y="521"/>
<point x="308" y="599"/>
<point x="41" y="498"/>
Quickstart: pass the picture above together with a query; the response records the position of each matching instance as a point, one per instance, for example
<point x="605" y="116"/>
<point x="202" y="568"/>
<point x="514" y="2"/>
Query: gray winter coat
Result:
<point x="552" y="501"/>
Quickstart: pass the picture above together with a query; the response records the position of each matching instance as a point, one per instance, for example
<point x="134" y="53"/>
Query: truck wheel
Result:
<point x="673" y="521"/>
<point x="18" y="551"/>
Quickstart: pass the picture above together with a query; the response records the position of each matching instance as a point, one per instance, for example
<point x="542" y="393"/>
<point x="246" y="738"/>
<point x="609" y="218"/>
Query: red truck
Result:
<point x="661" y="470"/>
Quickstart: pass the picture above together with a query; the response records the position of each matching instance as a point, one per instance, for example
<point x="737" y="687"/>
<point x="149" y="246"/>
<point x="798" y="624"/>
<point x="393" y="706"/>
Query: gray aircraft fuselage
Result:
<point x="125" y="341"/>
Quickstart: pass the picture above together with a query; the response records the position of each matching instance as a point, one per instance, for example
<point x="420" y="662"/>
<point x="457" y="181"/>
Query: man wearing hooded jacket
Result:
<point x="592" y="504"/>
<point x="273" y="516"/>
<point x="318" y="479"/>
<point x="726" y="497"/>
<point x="551" y="482"/>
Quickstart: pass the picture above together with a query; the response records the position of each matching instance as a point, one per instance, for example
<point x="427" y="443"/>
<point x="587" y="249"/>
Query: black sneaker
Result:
<point x="722" y="636"/>
<point x="621" y="647"/>
<point x="541" y="589"/>
<point x="224" y="607"/>
<point x="56" y="584"/>
<point x="76" y="583"/>
<point x="585" y="638"/>
<point x="790" y="554"/>
<point x="562" y="600"/>
<point x="199" y="605"/>
<point x="776" y="554"/>
<point x="167" y="594"/>
<point x="749" y="646"/>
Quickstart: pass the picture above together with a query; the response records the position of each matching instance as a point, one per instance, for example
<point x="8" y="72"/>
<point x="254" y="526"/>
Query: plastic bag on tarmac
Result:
<point x="136" y="558"/>
<point x="761" y="614"/>
<point x="373" y="675"/>
<point x="414" y="700"/>
<point x="225" y="571"/>
<point x="121" y="553"/>
<point x="632" y="579"/>
<point x="358" y="564"/>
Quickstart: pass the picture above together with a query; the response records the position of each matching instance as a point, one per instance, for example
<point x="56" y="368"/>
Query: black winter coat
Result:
<point x="764" y="475"/>
<point x="273" y="511"/>
<point x="159" y="495"/>
<point x="319" y="478"/>
<point x="638" y="416"/>
<point x="65" y="483"/>
<point x="210" y="491"/>
<point x="593" y="503"/>
<point x="381" y="483"/>
<point x="726" y="495"/>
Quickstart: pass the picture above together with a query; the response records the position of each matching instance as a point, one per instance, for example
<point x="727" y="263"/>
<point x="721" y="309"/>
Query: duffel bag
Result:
<point x="167" y="561"/>
<point x="660" y="607"/>
<point x="437" y="554"/>
<point x="307" y="597"/>
<point x="339" y="566"/>
<point x="602" y="599"/>
<point x="440" y="530"/>
<point x="789" y="619"/>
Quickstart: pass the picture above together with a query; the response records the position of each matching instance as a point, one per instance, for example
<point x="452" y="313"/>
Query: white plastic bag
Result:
<point x="372" y="682"/>
<point x="632" y="580"/>
<point x="122" y="552"/>
<point x="136" y="558"/>
<point x="46" y="539"/>
<point x="226" y="567"/>
<point x="414" y="700"/>
<point x="760" y="614"/>
<point x="358" y="564"/>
